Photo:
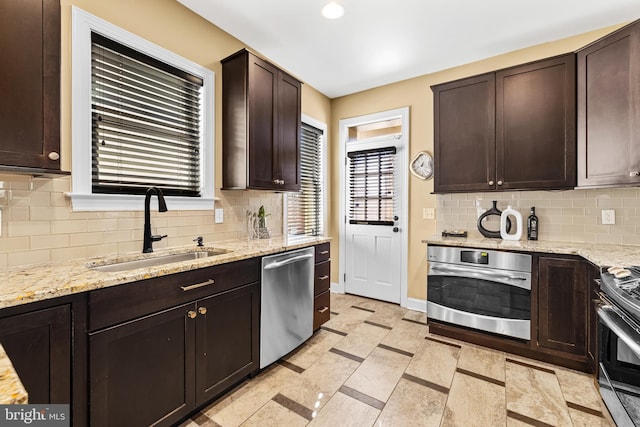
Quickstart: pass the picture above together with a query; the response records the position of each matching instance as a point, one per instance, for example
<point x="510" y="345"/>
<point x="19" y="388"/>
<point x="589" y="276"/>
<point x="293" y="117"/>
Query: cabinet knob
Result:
<point x="634" y="173"/>
<point x="491" y="182"/>
<point x="54" y="156"/>
<point x="202" y="310"/>
<point x="500" y="182"/>
<point x="192" y="314"/>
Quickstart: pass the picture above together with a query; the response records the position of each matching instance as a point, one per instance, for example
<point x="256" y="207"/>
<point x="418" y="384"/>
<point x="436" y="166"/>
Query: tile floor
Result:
<point x="375" y="364"/>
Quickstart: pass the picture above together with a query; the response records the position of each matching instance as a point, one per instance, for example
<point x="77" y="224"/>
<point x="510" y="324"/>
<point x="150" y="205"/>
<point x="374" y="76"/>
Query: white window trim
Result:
<point x="285" y="226"/>
<point x="82" y="197"/>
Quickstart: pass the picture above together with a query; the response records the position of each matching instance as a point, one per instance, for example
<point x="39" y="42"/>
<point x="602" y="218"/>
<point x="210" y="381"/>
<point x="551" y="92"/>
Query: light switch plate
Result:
<point x="428" y="213"/>
<point x="219" y="216"/>
<point x="608" y="216"/>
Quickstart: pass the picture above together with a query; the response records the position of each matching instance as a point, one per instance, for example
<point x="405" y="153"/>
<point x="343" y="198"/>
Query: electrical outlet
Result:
<point x="219" y="216"/>
<point x="608" y="216"/>
<point x="428" y="213"/>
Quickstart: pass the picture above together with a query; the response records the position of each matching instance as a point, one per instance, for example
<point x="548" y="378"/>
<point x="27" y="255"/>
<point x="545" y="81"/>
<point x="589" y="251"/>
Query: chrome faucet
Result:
<point x="147" y="245"/>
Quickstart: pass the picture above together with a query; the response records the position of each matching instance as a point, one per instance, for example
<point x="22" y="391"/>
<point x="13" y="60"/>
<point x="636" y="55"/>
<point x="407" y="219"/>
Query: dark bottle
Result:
<point x="532" y="225"/>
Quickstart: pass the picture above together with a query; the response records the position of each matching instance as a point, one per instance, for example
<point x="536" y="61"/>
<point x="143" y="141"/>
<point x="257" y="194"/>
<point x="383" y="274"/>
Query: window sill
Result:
<point x="127" y="202"/>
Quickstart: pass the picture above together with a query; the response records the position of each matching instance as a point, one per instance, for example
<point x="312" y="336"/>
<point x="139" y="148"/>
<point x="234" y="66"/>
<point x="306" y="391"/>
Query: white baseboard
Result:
<point x="337" y="288"/>
<point x="417" y="304"/>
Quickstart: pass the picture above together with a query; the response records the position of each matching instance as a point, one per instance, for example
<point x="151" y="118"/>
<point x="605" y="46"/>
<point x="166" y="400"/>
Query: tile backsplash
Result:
<point x="38" y="224"/>
<point x="569" y="216"/>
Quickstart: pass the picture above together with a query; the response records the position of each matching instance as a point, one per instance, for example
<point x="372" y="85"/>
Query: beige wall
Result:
<point x="416" y="94"/>
<point x="38" y="224"/>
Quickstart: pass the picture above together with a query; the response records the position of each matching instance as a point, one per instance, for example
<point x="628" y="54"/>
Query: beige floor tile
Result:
<point x="474" y="402"/>
<point x="434" y="362"/>
<point x="316" y="347"/>
<point x="345" y="411"/>
<point x="348" y="320"/>
<point x="328" y="373"/>
<point x="412" y="404"/>
<point x="579" y="388"/>
<point x="239" y="406"/>
<point x="416" y="316"/>
<point x="485" y="362"/>
<point x="275" y="415"/>
<point x="384" y="313"/>
<point x="407" y="336"/>
<point x="379" y="374"/>
<point x="308" y="393"/>
<point x="583" y="419"/>
<point x="536" y="394"/>
<point x="340" y="302"/>
<point x="362" y="340"/>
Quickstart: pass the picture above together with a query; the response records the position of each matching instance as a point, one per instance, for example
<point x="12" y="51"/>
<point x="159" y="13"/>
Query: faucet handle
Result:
<point x="199" y="240"/>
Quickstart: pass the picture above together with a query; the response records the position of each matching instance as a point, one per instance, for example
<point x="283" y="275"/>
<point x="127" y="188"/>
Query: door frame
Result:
<point x="403" y="161"/>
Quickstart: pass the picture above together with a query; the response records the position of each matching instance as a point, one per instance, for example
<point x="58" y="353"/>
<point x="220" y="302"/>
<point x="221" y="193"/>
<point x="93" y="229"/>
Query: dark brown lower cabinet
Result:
<point x="563" y="304"/>
<point x="157" y="369"/>
<point x="321" y="285"/>
<point x="39" y="346"/>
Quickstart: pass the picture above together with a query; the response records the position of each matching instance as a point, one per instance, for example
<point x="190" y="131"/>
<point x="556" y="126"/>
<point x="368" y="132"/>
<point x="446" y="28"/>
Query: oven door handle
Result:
<point x="618" y="326"/>
<point x="480" y="273"/>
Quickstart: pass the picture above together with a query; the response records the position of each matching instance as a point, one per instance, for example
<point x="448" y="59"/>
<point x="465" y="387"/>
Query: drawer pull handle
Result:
<point x="324" y="252"/>
<point x="322" y="310"/>
<point x="198" y="285"/>
<point x="325" y="277"/>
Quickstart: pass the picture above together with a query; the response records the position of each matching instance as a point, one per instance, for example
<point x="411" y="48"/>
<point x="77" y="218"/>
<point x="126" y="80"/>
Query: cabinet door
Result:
<point x="464" y="139"/>
<point x="609" y="109"/>
<point x="39" y="346"/>
<point x="562" y="304"/>
<point x="288" y="153"/>
<point x="30" y="83"/>
<point x="142" y="372"/>
<point x="535" y="125"/>
<point x="227" y="340"/>
<point x="263" y="98"/>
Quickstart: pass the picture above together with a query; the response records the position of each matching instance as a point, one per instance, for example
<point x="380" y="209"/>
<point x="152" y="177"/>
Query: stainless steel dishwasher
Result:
<point x="286" y="310"/>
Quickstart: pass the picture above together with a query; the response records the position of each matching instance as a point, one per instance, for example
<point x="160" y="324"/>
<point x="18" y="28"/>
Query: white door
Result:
<point x="375" y="224"/>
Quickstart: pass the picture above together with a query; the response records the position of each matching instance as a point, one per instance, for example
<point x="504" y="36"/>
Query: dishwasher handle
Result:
<point x="288" y="261"/>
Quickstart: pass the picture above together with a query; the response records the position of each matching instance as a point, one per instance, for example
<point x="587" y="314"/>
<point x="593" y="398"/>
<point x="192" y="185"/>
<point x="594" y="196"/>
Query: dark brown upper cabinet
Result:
<point x="609" y="110"/>
<point x="261" y="110"/>
<point x="30" y="85"/>
<point x="512" y="129"/>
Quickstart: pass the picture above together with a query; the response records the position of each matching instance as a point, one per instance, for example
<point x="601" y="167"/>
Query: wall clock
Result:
<point x="422" y="165"/>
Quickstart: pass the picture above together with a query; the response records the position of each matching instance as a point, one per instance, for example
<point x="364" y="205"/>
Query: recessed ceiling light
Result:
<point x="332" y="11"/>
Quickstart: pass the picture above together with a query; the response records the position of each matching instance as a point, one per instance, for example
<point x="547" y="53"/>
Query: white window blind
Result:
<point x="146" y="123"/>
<point x="371" y="186"/>
<point x="304" y="209"/>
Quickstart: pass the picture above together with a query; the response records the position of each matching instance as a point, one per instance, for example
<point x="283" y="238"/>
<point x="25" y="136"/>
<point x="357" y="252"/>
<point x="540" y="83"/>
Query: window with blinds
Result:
<point x="304" y="209"/>
<point x="371" y="186"/>
<point x="146" y="123"/>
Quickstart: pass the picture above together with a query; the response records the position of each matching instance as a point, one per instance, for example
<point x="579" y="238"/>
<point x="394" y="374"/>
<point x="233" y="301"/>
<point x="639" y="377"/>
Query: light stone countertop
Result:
<point x="22" y="285"/>
<point x="11" y="389"/>
<point x="600" y="254"/>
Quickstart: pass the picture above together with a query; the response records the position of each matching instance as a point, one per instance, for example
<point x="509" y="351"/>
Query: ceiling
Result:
<point x="378" y="42"/>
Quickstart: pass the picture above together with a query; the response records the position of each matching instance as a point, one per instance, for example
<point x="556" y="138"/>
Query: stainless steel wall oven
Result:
<point x="480" y="289"/>
<point x="619" y="346"/>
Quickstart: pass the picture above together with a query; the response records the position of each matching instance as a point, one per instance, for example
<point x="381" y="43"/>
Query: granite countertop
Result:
<point x="22" y="285"/>
<point x="600" y="254"/>
<point x="11" y="389"/>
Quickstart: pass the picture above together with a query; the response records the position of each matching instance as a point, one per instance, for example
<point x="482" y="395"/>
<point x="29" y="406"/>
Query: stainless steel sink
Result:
<point x="156" y="261"/>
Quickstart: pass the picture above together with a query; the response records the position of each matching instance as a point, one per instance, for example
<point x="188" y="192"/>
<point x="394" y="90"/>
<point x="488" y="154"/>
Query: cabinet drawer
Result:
<point x="321" y="277"/>
<point x="323" y="252"/>
<point x="117" y="304"/>
<point x="321" y="309"/>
